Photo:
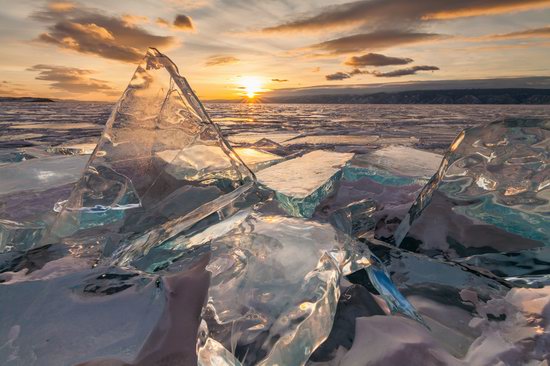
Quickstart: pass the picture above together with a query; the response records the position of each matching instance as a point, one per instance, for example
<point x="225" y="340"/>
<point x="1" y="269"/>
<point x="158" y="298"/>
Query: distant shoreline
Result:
<point x="26" y="100"/>
<point x="449" y="96"/>
<point x="504" y="96"/>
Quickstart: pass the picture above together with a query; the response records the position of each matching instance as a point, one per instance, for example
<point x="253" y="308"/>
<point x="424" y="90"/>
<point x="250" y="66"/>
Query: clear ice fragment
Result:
<point x="83" y="315"/>
<point x="394" y="165"/>
<point x="301" y="183"/>
<point x="28" y="193"/>
<point x="274" y="288"/>
<point x="157" y="128"/>
<point x="490" y="195"/>
<point x="209" y="161"/>
<point x="40" y="174"/>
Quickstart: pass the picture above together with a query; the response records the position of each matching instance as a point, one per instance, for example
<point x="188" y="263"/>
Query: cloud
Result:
<point x="376" y="59"/>
<point x="183" y="22"/>
<point x="390" y="74"/>
<point x="221" y="60"/>
<point x="134" y="19"/>
<point x="402" y="72"/>
<point x="543" y="32"/>
<point x="10" y="89"/>
<point x="379" y="12"/>
<point x="374" y="40"/>
<point x="189" y="4"/>
<point x="358" y="72"/>
<point x="89" y="31"/>
<point x="61" y="6"/>
<point x="279" y="80"/>
<point x="163" y="22"/>
<point x="338" y="76"/>
<point x="71" y="79"/>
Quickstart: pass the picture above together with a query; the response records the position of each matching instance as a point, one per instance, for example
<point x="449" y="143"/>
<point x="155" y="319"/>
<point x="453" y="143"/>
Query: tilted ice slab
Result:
<point x="257" y="159"/>
<point x="406" y="161"/>
<point x="83" y="315"/>
<point x="330" y="140"/>
<point x="73" y="149"/>
<point x="127" y="186"/>
<point x="205" y="161"/>
<point x="254" y="137"/>
<point x="28" y="193"/>
<point x="491" y="194"/>
<point x="301" y="183"/>
<point x="394" y="165"/>
<point x="66" y="311"/>
<point x="275" y="286"/>
<point x="40" y="174"/>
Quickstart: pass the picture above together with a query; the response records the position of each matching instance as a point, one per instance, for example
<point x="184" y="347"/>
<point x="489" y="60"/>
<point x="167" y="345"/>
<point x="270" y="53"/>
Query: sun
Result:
<point x="251" y="85"/>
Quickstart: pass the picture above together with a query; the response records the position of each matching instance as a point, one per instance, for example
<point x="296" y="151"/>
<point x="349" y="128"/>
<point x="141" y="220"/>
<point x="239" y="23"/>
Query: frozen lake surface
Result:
<point x="330" y="235"/>
<point x="297" y="126"/>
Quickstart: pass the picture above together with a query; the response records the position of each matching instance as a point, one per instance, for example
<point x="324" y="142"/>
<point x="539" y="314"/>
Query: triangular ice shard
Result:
<point x="129" y="183"/>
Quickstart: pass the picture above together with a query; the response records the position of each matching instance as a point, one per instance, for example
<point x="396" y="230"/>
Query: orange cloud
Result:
<point x="543" y="32"/>
<point x="488" y="8"/>
<point x="221" y="60"/>
<point x="9" y="89"/>
<point x="61" y="6"/>
<point x="401" y="12"/>
<point x="93" y="30"/>
<point x="89" y="31"/>
<point x="134" y="19"/>
<point x="163" y="22"/>
<point x="72" y="79"/>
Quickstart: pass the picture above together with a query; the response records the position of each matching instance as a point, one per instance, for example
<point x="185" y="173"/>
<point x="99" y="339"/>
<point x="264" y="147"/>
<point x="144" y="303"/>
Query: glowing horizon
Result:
<point x="76" y="50"/>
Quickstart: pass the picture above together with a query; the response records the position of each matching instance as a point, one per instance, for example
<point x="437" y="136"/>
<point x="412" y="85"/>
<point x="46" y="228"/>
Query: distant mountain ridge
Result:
<point x="453" y="96"/>
<point x="26" y="100"/>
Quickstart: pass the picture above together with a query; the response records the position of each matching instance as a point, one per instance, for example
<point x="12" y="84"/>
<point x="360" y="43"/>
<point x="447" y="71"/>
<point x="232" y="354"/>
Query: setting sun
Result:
<point x="252" y="85"/>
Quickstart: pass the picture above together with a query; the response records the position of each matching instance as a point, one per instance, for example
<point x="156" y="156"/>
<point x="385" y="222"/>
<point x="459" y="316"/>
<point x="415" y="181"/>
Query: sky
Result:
<point x="238" y="49"/>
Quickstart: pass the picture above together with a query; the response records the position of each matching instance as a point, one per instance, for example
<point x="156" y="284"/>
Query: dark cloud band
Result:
<point x="390" y="74"/>
<point x="374" y="40"/>
<point x="376" y="59"/>
<point x="401" y="11"/>
<point x="402" y="72"/>
<point x="183" y="22"/>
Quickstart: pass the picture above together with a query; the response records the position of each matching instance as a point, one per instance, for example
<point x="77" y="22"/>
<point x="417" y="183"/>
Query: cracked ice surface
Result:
<point x="164" y="193"/>
<point x="169" y="251"/>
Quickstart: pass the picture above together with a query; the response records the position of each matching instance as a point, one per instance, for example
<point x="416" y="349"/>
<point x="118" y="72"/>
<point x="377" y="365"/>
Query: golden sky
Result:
<point x="234" y="49"/>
